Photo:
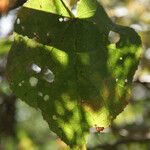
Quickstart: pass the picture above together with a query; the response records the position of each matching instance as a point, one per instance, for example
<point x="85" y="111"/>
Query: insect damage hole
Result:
<point x="48" y="75"/>
<point x="46" y="98"/>
<point x="61" y="19"/>
<point x="33" y="81"/>
<point x="40" y="94"/>
<point x="18" y="21"/>
<point x="35" y="68"/>
<point x="113" y="37"/>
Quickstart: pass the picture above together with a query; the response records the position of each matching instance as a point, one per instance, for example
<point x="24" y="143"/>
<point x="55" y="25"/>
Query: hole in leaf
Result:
<point x="113" y="37"/>
<point x="35" y="68"/>
<point x="46" y="98"/>
<point x="18" y="21"/>
<point x="61" y="19"/>
<point x="47" y="34"/>
<point x="48" y="75"/>
<point x="54" y="117"/>
<point x="20" y="84"/>
<point x="33" y="81"/>
<point x="22" y="27"/>
<point x="40" y="94"/>
<point x="66" y="19"/>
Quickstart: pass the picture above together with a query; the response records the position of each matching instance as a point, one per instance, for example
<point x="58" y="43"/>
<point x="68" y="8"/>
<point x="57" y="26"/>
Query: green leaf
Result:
<point x="51" y="6"/>
<point x="67" y="68"/>
<point x="86" y="8"/>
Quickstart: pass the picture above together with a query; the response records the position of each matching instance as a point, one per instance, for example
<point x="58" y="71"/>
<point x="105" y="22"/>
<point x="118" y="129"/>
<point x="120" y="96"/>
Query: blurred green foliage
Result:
<point x="5" y="45"/>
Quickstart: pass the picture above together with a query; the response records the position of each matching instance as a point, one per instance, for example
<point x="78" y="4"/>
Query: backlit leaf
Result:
<point x="68" y="68"/>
